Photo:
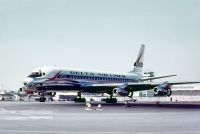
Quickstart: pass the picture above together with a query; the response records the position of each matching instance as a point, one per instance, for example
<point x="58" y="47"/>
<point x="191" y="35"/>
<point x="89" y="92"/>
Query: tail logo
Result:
<point x="138" y="64"/>
<point x="139" y="61"/>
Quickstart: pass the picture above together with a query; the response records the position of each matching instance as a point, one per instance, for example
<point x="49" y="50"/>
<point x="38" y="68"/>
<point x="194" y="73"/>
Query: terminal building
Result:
<point x="177" y="90"/>
<point x="185" y="92"/>
<point x="7" y="95"/>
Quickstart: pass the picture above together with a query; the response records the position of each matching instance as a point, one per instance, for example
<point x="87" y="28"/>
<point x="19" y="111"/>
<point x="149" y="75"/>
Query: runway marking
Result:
<point x="2" y="109"/>
<point x="25" y="114"/>
<point x="26" y="118"/>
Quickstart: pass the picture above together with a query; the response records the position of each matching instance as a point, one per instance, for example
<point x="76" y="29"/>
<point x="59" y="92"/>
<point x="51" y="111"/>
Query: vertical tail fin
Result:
<point x="138" y="65"/>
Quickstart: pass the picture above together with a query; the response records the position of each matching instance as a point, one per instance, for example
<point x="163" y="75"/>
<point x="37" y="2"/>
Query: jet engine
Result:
<point x="24" y="91"/>
<point x="163" y="90"/>
<point x="123" y="91"/>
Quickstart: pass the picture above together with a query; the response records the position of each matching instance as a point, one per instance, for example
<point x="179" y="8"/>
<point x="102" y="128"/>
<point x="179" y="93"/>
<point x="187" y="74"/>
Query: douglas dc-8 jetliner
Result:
<point x="49" y="80"/>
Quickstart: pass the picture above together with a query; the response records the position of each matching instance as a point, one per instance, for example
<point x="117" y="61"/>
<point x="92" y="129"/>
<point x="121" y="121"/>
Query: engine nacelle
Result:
<point x="163" y="90"/>
<point x="122" y="91"/>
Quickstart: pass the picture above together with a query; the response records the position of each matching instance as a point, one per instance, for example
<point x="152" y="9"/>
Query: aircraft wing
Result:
<point x="141" y="86"/>
<point x="182" y="83"/>
<point x="151" y="85"/>
<point x="111" y="86"/>
<point x="153" y="78"/>
<point x="132" y="86"/>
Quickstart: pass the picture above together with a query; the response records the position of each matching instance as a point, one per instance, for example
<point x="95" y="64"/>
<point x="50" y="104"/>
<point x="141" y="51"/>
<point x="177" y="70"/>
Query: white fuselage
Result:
<point x="53" y="78"/>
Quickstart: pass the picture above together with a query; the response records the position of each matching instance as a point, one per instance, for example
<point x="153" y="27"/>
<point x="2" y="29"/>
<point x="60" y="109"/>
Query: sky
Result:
<point x="102" y="35"/>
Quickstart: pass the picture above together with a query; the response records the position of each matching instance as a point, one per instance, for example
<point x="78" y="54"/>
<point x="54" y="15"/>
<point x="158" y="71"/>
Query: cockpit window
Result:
<point x="36" y="74"/>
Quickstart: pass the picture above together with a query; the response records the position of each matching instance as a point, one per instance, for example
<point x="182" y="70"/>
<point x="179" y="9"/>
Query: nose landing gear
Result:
<point x="42" y="97"/>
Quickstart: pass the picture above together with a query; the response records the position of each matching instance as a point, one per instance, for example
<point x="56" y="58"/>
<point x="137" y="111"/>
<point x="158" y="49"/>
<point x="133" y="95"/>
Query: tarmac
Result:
<point x="76" y="118"/>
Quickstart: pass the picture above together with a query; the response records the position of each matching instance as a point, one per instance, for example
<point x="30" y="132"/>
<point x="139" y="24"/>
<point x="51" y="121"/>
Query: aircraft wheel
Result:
<point x="42" y="99"/>
<point x="169" y="93"/>
<point x="130" y="94"/>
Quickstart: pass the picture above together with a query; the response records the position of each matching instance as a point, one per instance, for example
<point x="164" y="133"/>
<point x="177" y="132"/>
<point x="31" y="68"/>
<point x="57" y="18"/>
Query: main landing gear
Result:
<point x="111" y="99"/>
<point x="42" y="98"/>
<point x="50" y="96"/>
<point x="79" y="98"/>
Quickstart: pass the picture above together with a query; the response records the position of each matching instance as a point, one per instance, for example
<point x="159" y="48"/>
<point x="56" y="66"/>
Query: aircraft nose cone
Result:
<point x="28" y="82"/>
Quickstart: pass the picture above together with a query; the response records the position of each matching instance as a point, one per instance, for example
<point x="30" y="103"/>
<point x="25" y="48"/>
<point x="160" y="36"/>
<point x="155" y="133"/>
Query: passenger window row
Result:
<point x="95" y="78"/>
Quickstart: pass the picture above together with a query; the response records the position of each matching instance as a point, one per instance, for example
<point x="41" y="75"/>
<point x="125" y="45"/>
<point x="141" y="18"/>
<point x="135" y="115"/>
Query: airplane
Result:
<point x="51" y="79"/>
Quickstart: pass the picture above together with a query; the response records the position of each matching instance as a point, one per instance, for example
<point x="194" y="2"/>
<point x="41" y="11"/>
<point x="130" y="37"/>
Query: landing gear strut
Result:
<point x="51" y="95"/>
<point x="111" y="99"/>
<point x="42" y="98"/>
<point x="79" y="98"/>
